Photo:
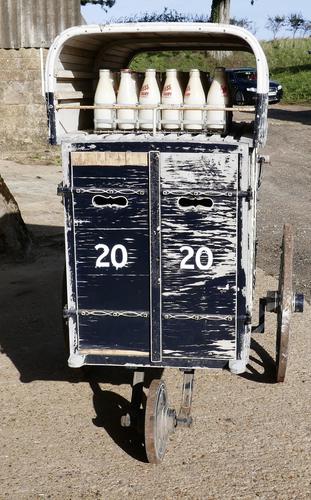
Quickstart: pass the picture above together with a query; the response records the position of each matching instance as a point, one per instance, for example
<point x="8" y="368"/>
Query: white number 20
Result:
<point x="197" y="259"/>
<point x="115" y="260"/>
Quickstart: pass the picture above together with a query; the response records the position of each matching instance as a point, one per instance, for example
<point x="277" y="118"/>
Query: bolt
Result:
<point x="126" y="420"/>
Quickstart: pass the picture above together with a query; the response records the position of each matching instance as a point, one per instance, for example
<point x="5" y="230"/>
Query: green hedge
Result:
<point x="289" y="63"/>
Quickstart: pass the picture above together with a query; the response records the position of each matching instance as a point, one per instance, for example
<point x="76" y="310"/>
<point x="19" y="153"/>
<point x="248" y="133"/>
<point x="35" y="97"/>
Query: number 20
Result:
<point x="197" y="259"/>
<point x="113" y="256"/>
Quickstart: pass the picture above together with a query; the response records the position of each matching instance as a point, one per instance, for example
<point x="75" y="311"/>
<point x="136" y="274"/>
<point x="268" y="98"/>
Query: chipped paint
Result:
<point x="206" y="298"/>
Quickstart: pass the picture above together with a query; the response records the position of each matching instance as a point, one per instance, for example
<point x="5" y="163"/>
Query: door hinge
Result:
<point x="63" y="190"/>
<point x="248" y="195"/>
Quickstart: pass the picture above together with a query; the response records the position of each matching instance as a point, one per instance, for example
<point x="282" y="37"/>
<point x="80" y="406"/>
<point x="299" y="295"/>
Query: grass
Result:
<point x="289" y="63"/>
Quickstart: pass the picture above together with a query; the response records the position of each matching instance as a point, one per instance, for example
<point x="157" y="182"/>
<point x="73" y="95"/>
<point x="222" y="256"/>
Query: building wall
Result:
<point x="25" y="27"/>
<point x="35" y="23"/>
<point x="22" y="107"/>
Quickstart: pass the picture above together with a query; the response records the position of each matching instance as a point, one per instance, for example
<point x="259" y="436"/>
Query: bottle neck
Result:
<point x="126" y="76"/>
<point x="171" y="74"/>
<point x="104" y="75"/>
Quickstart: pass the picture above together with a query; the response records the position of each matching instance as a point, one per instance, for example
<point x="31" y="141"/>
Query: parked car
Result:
<point x="243" y="84"/>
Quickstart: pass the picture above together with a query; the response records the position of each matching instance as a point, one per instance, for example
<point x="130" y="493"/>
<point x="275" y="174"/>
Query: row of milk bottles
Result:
<point x="150" y="95"/>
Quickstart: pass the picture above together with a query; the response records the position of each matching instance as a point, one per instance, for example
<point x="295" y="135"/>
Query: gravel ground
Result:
<point x="60" y="434"/>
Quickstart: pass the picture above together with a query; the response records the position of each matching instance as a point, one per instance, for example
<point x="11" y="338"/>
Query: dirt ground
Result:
<point x="60" y="434"/>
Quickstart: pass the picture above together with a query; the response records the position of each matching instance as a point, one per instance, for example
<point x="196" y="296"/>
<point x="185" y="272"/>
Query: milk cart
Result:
<point x="160" y="228"/>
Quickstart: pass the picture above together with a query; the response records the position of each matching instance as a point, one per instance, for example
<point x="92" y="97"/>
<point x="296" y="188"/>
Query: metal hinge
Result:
<point x="62" y="190"/>
<point x="68" y="313"/>
<point x="248" y="318"/>
<point x="248" y="195"/>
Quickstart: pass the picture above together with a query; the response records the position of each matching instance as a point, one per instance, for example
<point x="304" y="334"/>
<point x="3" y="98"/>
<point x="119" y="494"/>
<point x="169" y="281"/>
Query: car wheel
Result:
<point x="239" y="98"/>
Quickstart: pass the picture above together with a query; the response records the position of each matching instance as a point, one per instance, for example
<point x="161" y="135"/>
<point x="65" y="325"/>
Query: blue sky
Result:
<point x="257" y="13"/>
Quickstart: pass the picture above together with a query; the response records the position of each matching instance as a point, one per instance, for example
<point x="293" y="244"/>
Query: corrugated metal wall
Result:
<point x="35" y="23"/>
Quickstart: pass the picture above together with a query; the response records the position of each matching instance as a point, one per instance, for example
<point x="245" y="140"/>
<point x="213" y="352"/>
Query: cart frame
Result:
<point x="147" y="178"/>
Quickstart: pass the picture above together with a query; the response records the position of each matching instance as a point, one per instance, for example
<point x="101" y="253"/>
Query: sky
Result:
<point x="257" y="13"/>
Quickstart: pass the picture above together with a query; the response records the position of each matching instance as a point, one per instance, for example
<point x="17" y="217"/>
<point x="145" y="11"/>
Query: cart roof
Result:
<point x="116" y="44"/>
<point x="78" y="53"/>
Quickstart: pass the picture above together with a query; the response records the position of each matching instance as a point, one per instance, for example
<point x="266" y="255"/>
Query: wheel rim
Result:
<point x="158" y="421"/>
<point x="285" y="306"/>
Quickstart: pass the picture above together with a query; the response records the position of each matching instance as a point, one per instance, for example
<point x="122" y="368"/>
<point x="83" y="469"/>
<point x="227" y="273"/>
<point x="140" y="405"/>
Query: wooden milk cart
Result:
<point x="160" y="228"/>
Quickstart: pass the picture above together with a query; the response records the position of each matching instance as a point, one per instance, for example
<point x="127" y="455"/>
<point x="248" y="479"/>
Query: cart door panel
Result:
<point x="199" y="254"/>
<point x="101" y="283"/>
<point x="111" y="239"/>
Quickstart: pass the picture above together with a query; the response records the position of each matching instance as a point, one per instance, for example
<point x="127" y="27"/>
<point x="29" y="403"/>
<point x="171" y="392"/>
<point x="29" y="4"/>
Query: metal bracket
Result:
<point x="184" y="418"/>
<point x="271" y="303"/>
<point x="63" y="190"/>
<point x="68" y="313"/>
<point x="132" y="419"/>
<point x="248" y="195"/>
<point x="114" y="314"/>
<point x="264" y="159"/>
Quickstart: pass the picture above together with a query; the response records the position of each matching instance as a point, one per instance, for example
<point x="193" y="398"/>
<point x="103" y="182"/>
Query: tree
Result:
<point x="243" y="23"/>
<point x="274" y="24"/>
<point x="15" y="239"/>
<point x="295" y="22"/>
<point x="167" y="16"/>
<point x="220" y="11"/>
<point x="306" y="28"/>
<point x="105" y="4"/>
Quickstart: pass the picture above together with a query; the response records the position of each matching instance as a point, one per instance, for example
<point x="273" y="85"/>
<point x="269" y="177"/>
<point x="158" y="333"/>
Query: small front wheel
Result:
<point x="160" y="420"/>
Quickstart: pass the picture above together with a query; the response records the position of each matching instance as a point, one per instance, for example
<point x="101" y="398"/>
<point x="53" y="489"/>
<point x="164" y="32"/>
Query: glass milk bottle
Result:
<point x="105" y="94"/>
<point x="149" y="94"/>
<point x="217" y="96"/>
<point x="171" y="94"/>
<point x="127" y="94"/>
<point x="194" y="95"/>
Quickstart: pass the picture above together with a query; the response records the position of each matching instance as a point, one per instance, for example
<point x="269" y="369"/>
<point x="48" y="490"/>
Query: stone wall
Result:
<point x="23" y="121"/>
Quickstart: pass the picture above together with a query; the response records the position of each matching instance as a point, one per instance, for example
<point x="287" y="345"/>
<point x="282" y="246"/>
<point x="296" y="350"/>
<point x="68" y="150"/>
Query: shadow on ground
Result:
<point x="261" y="366"/>
<point x="109" y="408"/>
<point x="300" y="116"/>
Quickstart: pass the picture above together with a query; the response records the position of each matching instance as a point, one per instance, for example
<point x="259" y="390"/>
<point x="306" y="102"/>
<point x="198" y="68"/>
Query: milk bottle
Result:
<point x="194" y="95"/>
<point x="217" y="96"/>
<point x="127" y="94"/>
<point x="149" y="94"/>
<point x="105" y="94"/>
<point x="171" y="94"/>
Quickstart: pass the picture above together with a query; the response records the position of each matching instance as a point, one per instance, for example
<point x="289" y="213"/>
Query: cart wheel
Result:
<point x="159" y="421"/>
<point x="285" y="302"/>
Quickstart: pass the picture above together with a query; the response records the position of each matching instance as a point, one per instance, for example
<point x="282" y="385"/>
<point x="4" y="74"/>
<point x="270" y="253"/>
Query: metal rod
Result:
<point x="151" y="107"/>
<point x="184" y="415"/>
<point x="154" y="121"/>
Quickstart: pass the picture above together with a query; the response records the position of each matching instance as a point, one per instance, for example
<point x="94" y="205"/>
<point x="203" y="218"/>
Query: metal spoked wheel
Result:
<point x="285" y="302"/>
<point x="159" y="421"/>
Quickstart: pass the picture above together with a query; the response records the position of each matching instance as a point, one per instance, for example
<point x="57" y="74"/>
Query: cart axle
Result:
<point x="271" y="303"/>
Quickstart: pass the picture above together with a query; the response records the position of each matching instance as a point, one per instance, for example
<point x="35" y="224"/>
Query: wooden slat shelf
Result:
<point x="63" y="96"/>
<point x="73" y="75"/>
